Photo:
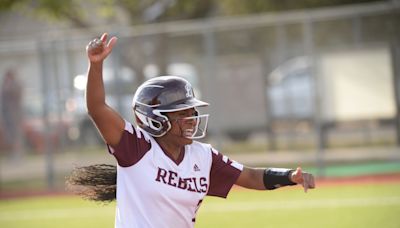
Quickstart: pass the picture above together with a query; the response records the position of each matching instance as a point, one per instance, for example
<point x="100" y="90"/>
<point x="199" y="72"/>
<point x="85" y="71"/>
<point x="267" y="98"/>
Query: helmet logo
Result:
<point x="189" y="92"/>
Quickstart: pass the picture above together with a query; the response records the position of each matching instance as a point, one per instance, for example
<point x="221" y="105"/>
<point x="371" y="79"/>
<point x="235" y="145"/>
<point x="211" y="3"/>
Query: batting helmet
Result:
<point x="161" y="95"/>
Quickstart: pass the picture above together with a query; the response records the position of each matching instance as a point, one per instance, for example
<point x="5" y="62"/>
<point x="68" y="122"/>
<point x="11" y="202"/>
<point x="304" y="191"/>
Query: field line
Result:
<point x="56" y="213"/>
<point x="227" y="206"/>
<point x="300" y="204"/>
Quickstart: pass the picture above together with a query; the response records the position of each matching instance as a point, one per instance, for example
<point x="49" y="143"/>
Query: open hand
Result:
<point x="98" y="49"/>
<point x="303" y="178"/>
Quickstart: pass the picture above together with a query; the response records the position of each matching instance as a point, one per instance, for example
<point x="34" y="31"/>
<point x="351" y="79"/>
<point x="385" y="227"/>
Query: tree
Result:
<point x="81" y="13"/>
<point x="90" y="13"/>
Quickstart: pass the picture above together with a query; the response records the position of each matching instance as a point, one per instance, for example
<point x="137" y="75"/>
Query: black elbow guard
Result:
<point x="277" y="177"/>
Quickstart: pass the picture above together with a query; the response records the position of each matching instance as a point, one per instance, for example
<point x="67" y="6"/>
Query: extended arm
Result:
<point x="262" y="179"/>
<point x="108" y="121"/>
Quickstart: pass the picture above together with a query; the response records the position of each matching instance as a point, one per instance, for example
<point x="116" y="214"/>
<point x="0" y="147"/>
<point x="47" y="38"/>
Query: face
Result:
<point x="182" y="129"/>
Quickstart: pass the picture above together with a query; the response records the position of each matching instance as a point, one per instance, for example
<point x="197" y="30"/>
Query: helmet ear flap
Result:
<point x="157" y="126"/>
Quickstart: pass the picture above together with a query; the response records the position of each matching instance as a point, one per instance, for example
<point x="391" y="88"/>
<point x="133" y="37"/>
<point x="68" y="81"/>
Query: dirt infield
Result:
<point x="354" y="180"/>
<point x="35" y="193"/>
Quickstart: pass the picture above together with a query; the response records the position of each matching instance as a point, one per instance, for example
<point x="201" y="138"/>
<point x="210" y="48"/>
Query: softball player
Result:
<point x="163" y="174"/>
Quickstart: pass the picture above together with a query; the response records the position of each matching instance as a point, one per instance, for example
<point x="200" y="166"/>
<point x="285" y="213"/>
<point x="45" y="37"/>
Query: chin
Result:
<point x="188" y="141"/>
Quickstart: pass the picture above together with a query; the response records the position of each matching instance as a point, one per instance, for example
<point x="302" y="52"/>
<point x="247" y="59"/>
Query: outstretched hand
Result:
<point x="98" y="49"/>
<point x="303" y="178"/>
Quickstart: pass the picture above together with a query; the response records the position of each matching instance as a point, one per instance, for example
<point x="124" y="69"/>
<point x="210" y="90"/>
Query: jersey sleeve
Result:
<point x="224" y="173"/>
<point x="131" y="148"/>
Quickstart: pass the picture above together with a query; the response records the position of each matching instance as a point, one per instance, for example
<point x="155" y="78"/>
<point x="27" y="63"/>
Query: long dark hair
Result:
<point x="95" y="182"/>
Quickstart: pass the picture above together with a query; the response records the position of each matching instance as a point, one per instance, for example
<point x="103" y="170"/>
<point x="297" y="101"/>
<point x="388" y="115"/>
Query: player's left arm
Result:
<point x="272" y="178"/>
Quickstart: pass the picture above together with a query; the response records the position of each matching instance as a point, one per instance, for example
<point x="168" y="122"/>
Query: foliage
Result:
<point x="90" y="14"/>
<point x="235" y="7"/>
<point x="82" y="13"/>
<point x="48" y="9"/>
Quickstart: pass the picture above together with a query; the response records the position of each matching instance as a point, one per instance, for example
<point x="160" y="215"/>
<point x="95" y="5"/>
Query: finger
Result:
<point x="110" y="45"/>
<point x="103" y="37"/>
<point x="312" y="181"/>
<point x="305" y="183"/>
<point x="96" y="47"/>
<point x="112" y="42"/>
<point x="95" y="43"/>
<point x="299" y="171"/>
<point x="299" y="175"/>
<point x="90" y="44"/>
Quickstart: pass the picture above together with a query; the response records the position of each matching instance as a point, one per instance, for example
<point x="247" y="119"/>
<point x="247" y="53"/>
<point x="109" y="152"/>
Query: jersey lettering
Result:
<point x="203" y="183"/>
<point x="161" y="175"/>
<point x="172" y="178"/>
<point x="192" y="184"/>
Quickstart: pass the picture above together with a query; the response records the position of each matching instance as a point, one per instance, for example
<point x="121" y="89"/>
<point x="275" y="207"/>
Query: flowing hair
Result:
<point x="94" y="182"/>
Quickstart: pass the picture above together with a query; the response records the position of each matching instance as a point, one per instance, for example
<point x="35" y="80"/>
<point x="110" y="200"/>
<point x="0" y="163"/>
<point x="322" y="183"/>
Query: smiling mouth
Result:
<point x="188" y="133"/>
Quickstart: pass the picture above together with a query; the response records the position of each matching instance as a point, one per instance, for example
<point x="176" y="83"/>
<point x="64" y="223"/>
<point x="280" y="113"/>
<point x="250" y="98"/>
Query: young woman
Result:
<point x="163" y="174"/>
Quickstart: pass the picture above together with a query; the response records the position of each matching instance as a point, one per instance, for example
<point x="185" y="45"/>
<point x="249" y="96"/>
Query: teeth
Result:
<point x="188" y="133"/>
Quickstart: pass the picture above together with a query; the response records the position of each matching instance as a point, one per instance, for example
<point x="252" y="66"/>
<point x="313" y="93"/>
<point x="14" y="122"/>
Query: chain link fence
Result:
<point x="299" y="80"/>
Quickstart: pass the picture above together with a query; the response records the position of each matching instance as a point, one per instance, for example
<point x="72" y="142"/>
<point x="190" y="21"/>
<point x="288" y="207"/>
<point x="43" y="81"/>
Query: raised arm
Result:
<point x="262" y="179"/>
<point x="109" y="123"/>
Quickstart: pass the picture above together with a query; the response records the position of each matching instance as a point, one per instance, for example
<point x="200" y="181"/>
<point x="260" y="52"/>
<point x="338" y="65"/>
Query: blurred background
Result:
<point x="310" y="83"/>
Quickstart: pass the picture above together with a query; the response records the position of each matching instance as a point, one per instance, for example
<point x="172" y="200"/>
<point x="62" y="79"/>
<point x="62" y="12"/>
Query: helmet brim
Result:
<point x="182" y="105"/>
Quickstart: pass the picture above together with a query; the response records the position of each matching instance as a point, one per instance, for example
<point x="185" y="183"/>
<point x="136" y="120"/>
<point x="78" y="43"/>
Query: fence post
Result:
<point x="396" y="78"/>
<point x="45" y="79"/>
<point x="318" y="122"/>
<point x="210" y="79"/>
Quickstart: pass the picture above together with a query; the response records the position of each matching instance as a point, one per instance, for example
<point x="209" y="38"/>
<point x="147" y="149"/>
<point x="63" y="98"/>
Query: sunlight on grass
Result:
<point x="327" y="206"/>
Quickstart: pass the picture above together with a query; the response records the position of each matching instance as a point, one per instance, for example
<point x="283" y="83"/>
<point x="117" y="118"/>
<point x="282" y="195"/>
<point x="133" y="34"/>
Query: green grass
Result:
<point x="334" y="206"/>
<point x="327" y="206"/>
<point x="49" y="212"/>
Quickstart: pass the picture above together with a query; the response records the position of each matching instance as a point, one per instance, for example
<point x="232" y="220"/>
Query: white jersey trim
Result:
<point x="128" y="127"/>
<point x="237" y="165"/>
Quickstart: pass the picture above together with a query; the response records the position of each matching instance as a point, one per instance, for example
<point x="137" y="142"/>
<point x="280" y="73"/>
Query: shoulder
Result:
<point x="133" y="145"/>
<point x="200" y="151"/>
<point x="201" y="147"/>
<point x="136" y="132"/>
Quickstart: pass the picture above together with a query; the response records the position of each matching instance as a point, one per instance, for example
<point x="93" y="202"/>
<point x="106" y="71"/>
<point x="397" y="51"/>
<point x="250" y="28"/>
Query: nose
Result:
<point x="191" y="121"/>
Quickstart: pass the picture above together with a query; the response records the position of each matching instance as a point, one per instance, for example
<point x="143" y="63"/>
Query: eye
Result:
<point x="190" y="114"/>
<point x="180" y="116"/>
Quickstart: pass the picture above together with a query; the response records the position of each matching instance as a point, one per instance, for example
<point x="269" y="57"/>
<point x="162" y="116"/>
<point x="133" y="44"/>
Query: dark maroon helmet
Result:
<point x="160" y="95"/>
